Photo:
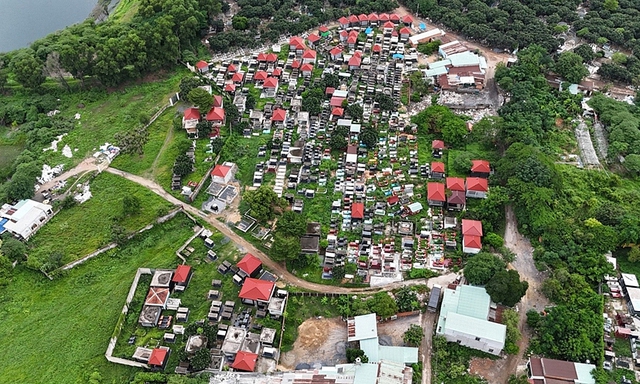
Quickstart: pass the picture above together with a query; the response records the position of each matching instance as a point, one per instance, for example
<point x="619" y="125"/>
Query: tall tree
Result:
<point x="506" y="288"/>
<point x="201" y="99"/>
<point x="570" y="67"/>
<point x="481" y="267"/>
<point x="28" y="69"/>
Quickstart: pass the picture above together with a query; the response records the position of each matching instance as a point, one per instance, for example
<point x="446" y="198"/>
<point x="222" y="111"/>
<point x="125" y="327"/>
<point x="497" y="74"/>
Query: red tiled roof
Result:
<point x="295" y="64"/>
<point x="407" y="19"/>
<point x="323" y="28"/>
<point x="377" y="48"/>
<point x="393" y="199"/>
<point x="435" y="192"/>
<point x="471" y="227"/>
<point x="405" y="31"/>
<point x="158" y="355"/>
<point x="329" y="90"/>
<point x="215" y="114"/>
<point x="363" y="17"/>
<point x="231" y="68"/>
<point x="455" y="183"/>
<point x="182" y="274"/>
<point x="437" y="144"/>
<point x="344" y="33"/>
<point x="394" y="17"/>
<point x="389" y="25"/>
<point x="272" y="57"/>
<point x="352" y="39"/>
<point x="481" y="166"/>
<point x="477" y="184"/>
<point x="237" y="77"/>
<point x="353" y="19"/>
<point x="383" y="17"/>
<point x="192" y="114"/>
<point x="373" y="17"/>
<point x="357" y="211"/>
<point x="261" y="75"/>
<point x="245" y="361"/>
<point x="230" y="87"/>
<point x="217" y="101"/>
<point x="220" y="170"/>
<point x="309" y="54"/>
<point x="270" y="82"/>
<point x="313" y="38"/>
<point x="249" y="264"/>
<point x="336" y="101"/>
<point x="437" y="166"/>
<point x="279" y="115"/>
<point x="472" y="242"/>
<point x="157" y="296"/>
<point x="202" y="64"/>
<point x="457" y="197"/>
<point x="276" y="72"/>
<point x="306" y="67"/>
<point x="262" y="56"/>
<point x="254" y="289"/>
<point x="337" y="111"/>
<point x="335" y="51"/>
<point x="355" y="61"/>
<point x="343" y="20"/>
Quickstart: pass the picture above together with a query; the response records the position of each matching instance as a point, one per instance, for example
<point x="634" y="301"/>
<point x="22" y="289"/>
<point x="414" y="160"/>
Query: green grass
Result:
<point x="142" y="164"/>
<point x="57" y="331"/>
<point x="82" y="229"/>
<point x="125" y="10"/>
<point x="104" y="115"/>
<point x="622" y="348"/>
<point x="8" y="154"/>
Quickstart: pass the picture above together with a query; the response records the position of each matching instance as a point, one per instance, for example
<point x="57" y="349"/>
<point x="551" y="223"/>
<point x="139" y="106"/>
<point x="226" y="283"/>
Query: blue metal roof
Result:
<point x="2" y="223"/>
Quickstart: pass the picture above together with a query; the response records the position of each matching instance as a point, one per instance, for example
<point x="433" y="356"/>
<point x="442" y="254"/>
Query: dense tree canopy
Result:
<point x="481" y="267"/>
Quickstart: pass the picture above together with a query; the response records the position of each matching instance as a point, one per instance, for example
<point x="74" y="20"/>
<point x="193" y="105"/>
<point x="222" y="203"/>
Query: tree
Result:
<point x="481" y="268"/>
<point x="291" y="224"/>
<point x="513" y="379"/>
<point x="462" y="162"/>
<point x="312" y="104"/>
<point x="187" y="84"/>
<point x="385" y="102"/>
<point x="454" y="131"/>
<point x="632" y="164"/>
<point x="27" y="68"/>
<point x="413" y="336"/>
<point x="201" y="360"/>
<point x="511" y="319"/>
<point x="355" y="111"/>
<point x="610" y="5"/>
<point x="183" y="165"/>
<point x="262" y="202"/>
<point x="570" y="67"/>
<point x="383" y="305"/>
<point x="494" y="240"/>
<point x="634" y="254"/>
<point x="13" y="249"/>
<point x="239" y="22"/>
<point x="131" y="205"/>
<point x="353" y="354"/>
<point x="204" y="129"/>
<point x="285" y="248"/>
<point x="407" y="300"/>
<point x="132" y="141"/>
<point x="337" y="142"/>
<point x="232" y="114"/>
<point x="369" y="137"/>
<point x="586" y="52"/>
<point x="201" y="99"/>
<point x="506" y="288"/>
<point x="250" y="103"/>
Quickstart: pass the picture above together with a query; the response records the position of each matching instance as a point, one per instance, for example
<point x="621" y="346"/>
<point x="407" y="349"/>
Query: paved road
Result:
<point x="279" y="269"/>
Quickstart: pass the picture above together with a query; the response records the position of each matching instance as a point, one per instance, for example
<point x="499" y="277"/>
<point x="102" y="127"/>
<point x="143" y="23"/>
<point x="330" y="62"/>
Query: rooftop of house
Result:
<point x="250" y="264"/>
<point x="245" y="361"/>
<point x="182" y="274"/>
<point x="254" y="289"/>
<point x="471" y="227"/>
<point x="435" y="191"/>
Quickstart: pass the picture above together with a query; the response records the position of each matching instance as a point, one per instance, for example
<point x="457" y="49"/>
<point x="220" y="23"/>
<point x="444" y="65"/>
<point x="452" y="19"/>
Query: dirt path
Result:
<point x="165" y="144"/>
<point x="498" y="371"/>
<point x="87" y="165"/>
<point x="246" y="246"/>
<point x="428" y="324"/>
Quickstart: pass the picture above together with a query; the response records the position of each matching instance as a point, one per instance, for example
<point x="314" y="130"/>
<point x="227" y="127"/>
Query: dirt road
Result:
<point x="428" y="325"/>
<point x="246" y="246"/>
<point x="498" y="371"/>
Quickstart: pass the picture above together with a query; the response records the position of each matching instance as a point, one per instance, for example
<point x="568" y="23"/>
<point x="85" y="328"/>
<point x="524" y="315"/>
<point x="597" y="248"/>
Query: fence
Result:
<point x="202" y="182"/>
<point x="125" y="309"/>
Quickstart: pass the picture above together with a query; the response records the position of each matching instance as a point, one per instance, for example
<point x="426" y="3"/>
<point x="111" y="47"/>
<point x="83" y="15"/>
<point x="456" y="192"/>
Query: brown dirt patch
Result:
<point x="320" y="341"/>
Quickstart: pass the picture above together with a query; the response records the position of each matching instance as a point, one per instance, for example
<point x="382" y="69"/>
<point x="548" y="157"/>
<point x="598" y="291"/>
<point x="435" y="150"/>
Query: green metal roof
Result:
<point x="465" y="300"/>
<point x="366" y="374"/>
<point x="464" y="59"/>
<point x="400" y="355"/>
<point x="481" y="328"/>
<point x="370" y="348"/>
<point x="435" y="71"/>
<point x="584" y="373"/>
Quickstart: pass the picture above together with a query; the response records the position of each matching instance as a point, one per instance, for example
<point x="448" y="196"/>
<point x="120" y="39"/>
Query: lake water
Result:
<point x="24" y="21"/>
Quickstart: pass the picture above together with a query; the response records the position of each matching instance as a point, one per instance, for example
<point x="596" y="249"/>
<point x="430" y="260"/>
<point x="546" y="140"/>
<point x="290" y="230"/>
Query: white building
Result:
<point x="25" y="218"/>
<point x="464" y="320"/>
<point x="223" y="174"/>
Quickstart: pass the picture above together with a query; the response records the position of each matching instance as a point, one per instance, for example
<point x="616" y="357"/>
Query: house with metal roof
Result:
<point x="25" y="218"/>
<point x="551" y="371"/>
<point x="364" y="329"/>
<point x="464" y="320"/>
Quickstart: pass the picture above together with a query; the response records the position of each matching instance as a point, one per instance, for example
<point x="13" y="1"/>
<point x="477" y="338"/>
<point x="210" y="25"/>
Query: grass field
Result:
<point x="105" y="114"/>
<point x="57" y="331"/>
<point x="125" y="10"/>
<point x="90" y="222"/>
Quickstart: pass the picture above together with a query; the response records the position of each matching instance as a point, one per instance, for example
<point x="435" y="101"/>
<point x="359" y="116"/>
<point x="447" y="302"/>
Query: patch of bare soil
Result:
<point x="320" y="341"/>
<point x="391" y="332"/>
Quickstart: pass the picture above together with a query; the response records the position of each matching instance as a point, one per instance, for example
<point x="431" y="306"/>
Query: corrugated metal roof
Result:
<point x="437" y="71"/>
<point x="584" y="373"/>
<point x="465" y="300"/>
<point x="365" y="327"/>
<point x="480" y="328"/>
<point x="371" y="349"/>
<point x="400" y="355"/>
<point x="366" y="374"/>
<point x="464" y="59"/>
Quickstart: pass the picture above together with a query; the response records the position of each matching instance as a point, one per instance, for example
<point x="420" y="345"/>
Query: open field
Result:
<point x="103" y="115"/>
<point x="83" y="228"/>
<point x="125" y="10"/>
<point x="57" y="331"/>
